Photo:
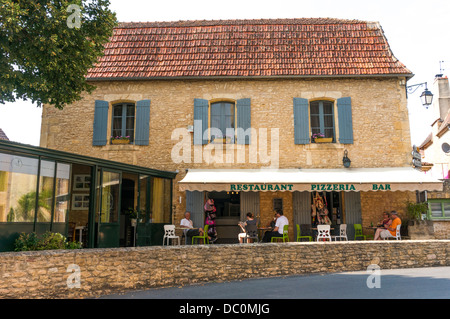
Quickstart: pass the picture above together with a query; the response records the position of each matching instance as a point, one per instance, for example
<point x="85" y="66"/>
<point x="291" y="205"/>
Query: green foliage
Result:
<point x="48" y="241"/>
<point x="132" y="213"/>
<point x="26" y="242"/>
<point x="42" y="58"/>
<point x="11" y="215"/>
<point x="27" y="202"/>
<point x="74" y="245"/>
<point x="415" y="210"/>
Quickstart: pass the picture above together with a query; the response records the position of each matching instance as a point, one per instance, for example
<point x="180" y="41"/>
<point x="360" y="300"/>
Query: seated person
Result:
<point x="389" y="231"/>
<point x="386" y="220"/>
<point x="190" y="231"/>
<point x="250" y="221"/>
<point x="273" y="222"/>
<point x="278" y="230"/>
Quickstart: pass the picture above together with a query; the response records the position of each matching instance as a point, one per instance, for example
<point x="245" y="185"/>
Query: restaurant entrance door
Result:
<point x="227" y="215"/>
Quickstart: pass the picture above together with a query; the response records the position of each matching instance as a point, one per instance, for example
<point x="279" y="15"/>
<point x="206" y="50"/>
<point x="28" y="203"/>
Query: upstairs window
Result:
<point x="322" y="118"/>
<point x="123" y="119"/>
<point x="222" y="121"/>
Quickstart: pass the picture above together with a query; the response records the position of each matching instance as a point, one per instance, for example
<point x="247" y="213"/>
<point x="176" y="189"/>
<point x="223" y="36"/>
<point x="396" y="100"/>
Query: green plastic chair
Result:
<point x="285" y="236"/>
<point x="299" y="235"/>
<point x="204" y="237"/>
<point x="358" y="231"/>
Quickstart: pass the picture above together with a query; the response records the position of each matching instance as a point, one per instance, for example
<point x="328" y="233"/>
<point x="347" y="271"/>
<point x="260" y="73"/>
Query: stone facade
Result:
<point x="380" y="126"/>
<point x="56" y="274"/>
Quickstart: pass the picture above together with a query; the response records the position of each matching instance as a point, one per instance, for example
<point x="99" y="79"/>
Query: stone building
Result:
<point x="435" y="151"/>
<point x="235" y="107"/>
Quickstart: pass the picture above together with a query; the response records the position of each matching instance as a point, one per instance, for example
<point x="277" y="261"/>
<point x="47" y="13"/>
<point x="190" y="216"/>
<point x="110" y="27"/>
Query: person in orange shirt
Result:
<point x="390" y="231"/>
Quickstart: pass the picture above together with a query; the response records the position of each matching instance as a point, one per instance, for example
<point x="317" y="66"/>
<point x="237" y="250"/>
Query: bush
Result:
<point x="51" y="241"/>
<point x="26" y="242"/>
<point x="48" y="241"/>
<point x="74" y="245"/>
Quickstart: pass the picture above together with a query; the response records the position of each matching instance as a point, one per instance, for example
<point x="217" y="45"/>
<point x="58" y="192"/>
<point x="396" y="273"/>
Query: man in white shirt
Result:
<point x="190" y="231"/>
<point x="279" y="226"/>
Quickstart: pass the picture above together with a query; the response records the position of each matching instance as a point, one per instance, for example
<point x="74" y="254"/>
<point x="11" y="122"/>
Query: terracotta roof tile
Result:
<point x="274" y="47"/>
<point x="3" y="135"/>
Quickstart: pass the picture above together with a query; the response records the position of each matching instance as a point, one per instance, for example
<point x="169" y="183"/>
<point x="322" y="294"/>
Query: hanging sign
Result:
<point x="416" y="157"/>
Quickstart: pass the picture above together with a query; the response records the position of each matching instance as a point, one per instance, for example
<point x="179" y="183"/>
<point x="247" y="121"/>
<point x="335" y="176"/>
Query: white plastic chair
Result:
<point x="342" y="232"/>
<point x="323" y="232"/>
<point x="169" y="233"/>
<point x="397" y="234"/>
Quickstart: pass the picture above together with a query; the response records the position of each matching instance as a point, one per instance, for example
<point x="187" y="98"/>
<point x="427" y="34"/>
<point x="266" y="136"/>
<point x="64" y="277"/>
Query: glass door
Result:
<point x="143" y="230"/>
<point x="108" y="205"/>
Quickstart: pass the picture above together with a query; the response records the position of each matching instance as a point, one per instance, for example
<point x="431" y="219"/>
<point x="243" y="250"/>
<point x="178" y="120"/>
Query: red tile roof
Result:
<point x="3" y="135"/>
<point x="237" y="48"/>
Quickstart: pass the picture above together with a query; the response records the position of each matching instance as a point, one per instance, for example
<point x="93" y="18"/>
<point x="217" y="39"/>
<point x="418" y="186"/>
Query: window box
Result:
<point x="323" y="140"/>
<point x="120" y="141"/>
<point x="225" y="140"/>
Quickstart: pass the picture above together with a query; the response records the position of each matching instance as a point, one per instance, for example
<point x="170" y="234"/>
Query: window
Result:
<point x="160" y="192"/>
<point x="439" y="208"/>
<point x="123" y="120"/>
<point x="18" y="201"/>
<point x="277" y="204"/>
<point x="322" y="118"/>
<point x="222" y="121"/>
<point x="46" y="181"/>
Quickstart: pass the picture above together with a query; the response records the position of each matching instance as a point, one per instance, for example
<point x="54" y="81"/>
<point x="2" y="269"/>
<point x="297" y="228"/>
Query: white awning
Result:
<point x="345" y="179"/>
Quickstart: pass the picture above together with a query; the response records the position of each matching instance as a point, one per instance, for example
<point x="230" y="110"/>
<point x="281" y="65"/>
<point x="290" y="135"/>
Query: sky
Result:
<point x="418" y="33"/>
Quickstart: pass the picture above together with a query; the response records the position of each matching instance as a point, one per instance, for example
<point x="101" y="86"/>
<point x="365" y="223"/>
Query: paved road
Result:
<point x="414" y="283"/>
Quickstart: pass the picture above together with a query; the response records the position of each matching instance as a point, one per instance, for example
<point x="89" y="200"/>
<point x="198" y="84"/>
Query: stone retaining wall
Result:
<point x="45" y="274"/>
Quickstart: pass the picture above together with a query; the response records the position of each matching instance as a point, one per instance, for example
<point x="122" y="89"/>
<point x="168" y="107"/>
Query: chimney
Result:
<point x="442" y="95"/>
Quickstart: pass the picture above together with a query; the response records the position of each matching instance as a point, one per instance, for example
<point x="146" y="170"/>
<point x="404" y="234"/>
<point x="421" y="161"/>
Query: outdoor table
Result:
<point x="374" y="228"/>
<point x="260" y="230"/>
<point x="182" y="233"/>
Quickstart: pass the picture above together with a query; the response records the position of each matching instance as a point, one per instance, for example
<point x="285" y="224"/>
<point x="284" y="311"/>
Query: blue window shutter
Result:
<point x="100" y="123"/>
<point x="142" y="122"/>
<point x="243" y="121"/>
<point x="200" y="121"/>
<point x="301" y="121"/>
<point x="344" y="106"/>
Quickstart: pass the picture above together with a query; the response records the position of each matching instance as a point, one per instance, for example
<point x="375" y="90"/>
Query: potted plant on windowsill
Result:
<point x="120" y="140"/>
<point x="320" y="138"/>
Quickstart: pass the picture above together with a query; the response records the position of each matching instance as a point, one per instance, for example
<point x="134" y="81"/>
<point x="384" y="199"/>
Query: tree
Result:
<point x="48" y="46"/>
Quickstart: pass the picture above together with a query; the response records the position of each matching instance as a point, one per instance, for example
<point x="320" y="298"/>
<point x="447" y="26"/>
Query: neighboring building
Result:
<point x="221" y="101"/>
<point x="436" y="147"/>
<point x="3" y="135"/>
<point x="436" y="155"/>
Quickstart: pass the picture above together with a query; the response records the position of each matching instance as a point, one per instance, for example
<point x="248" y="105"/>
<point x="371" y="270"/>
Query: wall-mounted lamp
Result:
<point x="426" y="98"/>
<point x="346" y="161"/>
